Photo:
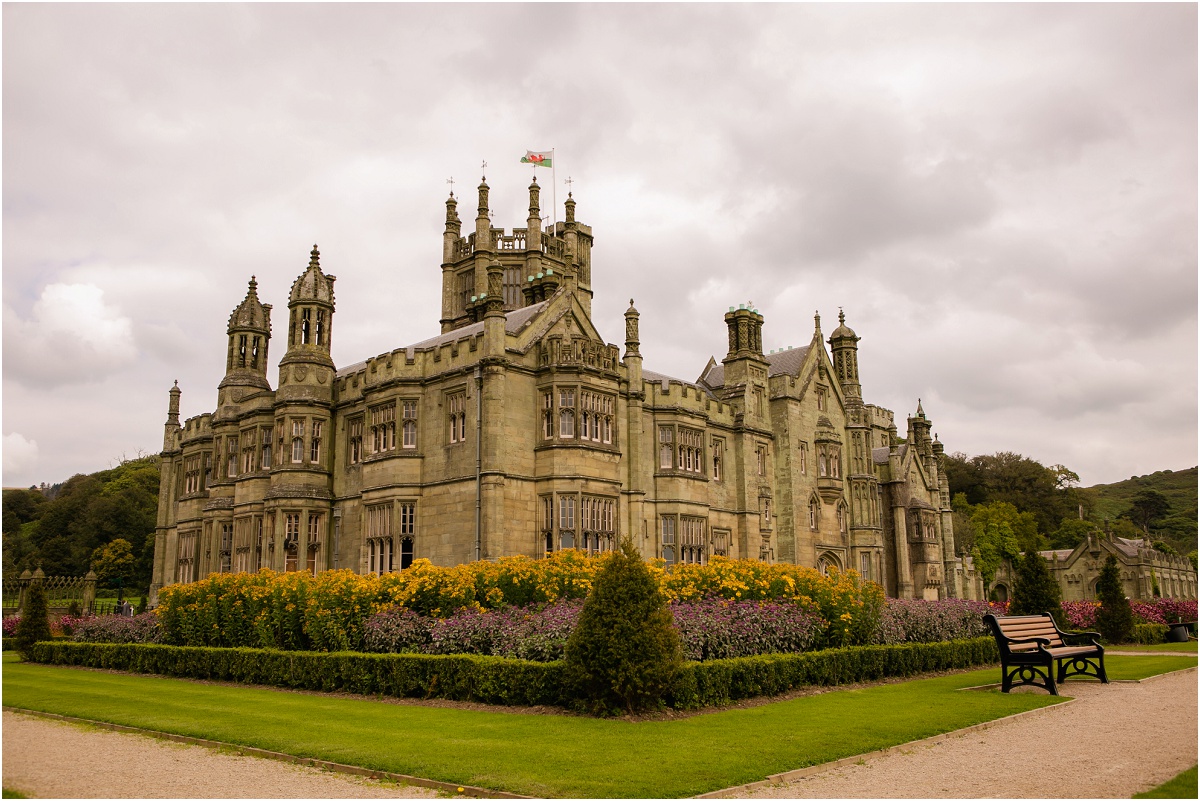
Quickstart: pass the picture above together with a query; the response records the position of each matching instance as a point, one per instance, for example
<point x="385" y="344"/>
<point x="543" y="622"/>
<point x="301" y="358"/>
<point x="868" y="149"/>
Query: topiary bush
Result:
<point x="624" y="654"/>
<point x="1035" y="592"/>
<point x="35" y="621"/>
<point x="1114" y="618"/>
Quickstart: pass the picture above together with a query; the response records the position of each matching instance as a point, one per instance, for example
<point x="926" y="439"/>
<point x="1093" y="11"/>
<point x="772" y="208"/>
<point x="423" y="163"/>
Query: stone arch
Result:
<point x="828" y="560"/>
<point x="1000" y="592"/>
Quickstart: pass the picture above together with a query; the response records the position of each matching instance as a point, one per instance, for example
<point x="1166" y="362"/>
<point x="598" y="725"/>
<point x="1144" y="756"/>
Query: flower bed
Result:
<point x="932" y="621"/>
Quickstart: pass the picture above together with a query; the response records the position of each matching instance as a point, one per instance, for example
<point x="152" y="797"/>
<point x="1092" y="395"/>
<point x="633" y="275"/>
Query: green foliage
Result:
<point x="1070" y="532"/>
<point x="114" y="563"/>
<point x="1114" y="618"/>
<point x="1047" y="493"/>
<point x="88" y="512"/>
<point x="624" y="654"/>
<point x="1150" y="634"/>
<point x="999" y="529"/>
<point x="1179" y="487"/>
<point x="1146" y="508"/>
<point x="1035" y="591"/>
<point x="35" y="622"/>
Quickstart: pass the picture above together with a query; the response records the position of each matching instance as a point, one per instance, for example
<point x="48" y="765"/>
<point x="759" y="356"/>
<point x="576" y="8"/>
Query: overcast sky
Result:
<point x="1003" y="198"/>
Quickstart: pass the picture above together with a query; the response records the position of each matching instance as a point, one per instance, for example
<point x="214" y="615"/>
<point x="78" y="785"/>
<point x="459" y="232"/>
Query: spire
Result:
<point x="631" y="330"/>
<point x="249" y="332"/>
<point x="920" y="411"/>
<point x="570" y="206"/>
<point x="173" y="405"/>
<point x="817" y="324"/>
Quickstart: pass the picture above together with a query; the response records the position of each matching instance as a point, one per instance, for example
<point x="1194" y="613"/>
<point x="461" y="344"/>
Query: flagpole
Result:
<point x="554" y="194"/>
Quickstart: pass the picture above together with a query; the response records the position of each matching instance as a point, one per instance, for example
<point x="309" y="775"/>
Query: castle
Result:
<point x="519" y="430"/>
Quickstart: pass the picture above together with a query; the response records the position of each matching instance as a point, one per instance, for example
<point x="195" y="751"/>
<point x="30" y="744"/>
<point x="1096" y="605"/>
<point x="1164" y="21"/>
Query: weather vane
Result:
<point x="450" y="181"/>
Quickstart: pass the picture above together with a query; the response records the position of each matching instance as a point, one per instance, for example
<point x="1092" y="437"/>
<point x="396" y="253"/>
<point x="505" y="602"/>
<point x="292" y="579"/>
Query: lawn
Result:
<point x="1162" y="647"/>
<point x="542" y="755"/>
<point x="1182" y="786"/>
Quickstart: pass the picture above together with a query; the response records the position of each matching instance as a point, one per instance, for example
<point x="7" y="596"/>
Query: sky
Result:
<point x="1002" y="198"/>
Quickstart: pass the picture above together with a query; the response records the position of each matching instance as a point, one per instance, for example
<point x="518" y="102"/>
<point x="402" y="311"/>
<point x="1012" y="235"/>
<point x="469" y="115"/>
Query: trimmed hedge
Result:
<point x="721" y="681"/>
<point x="1149" y="633"/>
<point x="512" y="682"/>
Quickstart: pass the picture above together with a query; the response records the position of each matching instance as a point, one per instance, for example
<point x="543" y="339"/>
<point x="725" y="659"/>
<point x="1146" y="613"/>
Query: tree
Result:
<point x="1048" y="493"/>
<point x="114" y="563"/>
<point x="1035" y="591"/>
<point x="1114" y="618"/>
<point x="35" y="621"/>
<point x="624" y="653"/>
<point x="1147" y="507"/>
<point x="999" y="527"/>
<point x="1071" y="531"/>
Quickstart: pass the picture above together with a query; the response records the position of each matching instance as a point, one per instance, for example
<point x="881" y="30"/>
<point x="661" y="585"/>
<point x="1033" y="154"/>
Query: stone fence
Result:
<point x="61" y="592"/>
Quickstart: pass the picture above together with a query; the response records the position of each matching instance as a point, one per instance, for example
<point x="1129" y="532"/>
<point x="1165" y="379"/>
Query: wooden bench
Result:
<point x="1031" y="645"/>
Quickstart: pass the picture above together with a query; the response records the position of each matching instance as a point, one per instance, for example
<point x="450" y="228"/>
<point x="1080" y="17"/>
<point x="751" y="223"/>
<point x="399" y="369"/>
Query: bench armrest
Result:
<point x="1089" y="635"/>
<point x="1041" y="641"/>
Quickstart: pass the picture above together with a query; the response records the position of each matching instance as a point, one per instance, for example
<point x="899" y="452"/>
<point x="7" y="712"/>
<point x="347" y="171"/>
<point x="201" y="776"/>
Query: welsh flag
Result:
<point x="540" y="159"/>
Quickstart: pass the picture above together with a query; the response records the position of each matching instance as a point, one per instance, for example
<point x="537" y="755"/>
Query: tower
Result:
<point x="249" y="333"/>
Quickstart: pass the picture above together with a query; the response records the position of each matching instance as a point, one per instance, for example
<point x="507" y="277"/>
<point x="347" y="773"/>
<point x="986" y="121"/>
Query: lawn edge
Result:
<point x="262" y="753"/>
<point x="800" y="773"/>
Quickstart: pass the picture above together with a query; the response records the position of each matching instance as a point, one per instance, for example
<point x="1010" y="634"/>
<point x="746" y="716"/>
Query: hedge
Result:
<point x="1149" y="633"/>
<point x="511" y="682"/>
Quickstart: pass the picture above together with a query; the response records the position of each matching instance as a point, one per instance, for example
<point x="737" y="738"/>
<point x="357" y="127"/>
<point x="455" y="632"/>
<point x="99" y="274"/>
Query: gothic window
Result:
<point x="691" y="452"/>
<point x="185" y="570"/>
<point x="231" y="450"/>
<point x="379" y="539"/>
<point x="566" y="521"/>
<point x="803" y="458"/>
<point x="226" y="548"/>
<point x="314" y="450"/>
<point x="835" y="462"/>
<point x="355" y="450"/>
<point x="249" y="451"/>
<point x="191" y="481"/>
<point x="305" y="325"/>
<point x="547" y="415"/>
<point x="408" y="533"/>
<point x="457" y="417"/>
<point x="841" y="518"/>
<point x="466" y="284"/>
<point x="512" y="287"/>
<point x="822" y="461"/>
<point x="383" y="428"/>
<point x="596" y="521"/>
<point x="668" y="525"/>
<point x="759" y="406"/>
<point x="291" y="540"/>
<point x="264" y="461"/>
<point x="297" y="441"/>
<point x="720" y="542"/>
<point x="718" y="459"/>
<point x="281" y="452"/>
<point x="821" y="399"/>
<point x="548" y="522"/>
<point x="315" y="530"/>
<point x="254" y="352"/>
<point x="761" y="457"/>
<point x="566" y="413"/>
<point x="409" y="412"/>
<point x="864" y="561"/>
<point x="241" y="362"/>
<point x="814" y="514"/>
<point x="320" y="326"/>
<point x="666" y="447"/>
<point x="257" y="555"/>
<point x="766" y="512"/>
<point x="692" y="546"/>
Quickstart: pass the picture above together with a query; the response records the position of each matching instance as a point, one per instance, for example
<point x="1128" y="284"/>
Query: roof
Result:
<point x="514" y="321"/>
<point x="1058" y="555"/>
<point x="784" y="362"/>
<point x="662" y="378"/>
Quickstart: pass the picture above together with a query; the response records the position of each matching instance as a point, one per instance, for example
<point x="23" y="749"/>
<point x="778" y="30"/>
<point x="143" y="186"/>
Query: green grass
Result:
<point x="1164" y="647"/>
<point x="13" y="794"/>
<point x="542" y="755"/>
<point x="1182" y="786"/>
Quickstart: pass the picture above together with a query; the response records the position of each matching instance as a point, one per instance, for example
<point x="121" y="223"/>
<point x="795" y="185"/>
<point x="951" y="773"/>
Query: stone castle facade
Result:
<point x="519" y="430"/>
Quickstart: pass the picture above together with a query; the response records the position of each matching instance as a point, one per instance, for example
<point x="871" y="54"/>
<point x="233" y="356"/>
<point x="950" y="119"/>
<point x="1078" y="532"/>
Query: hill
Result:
<point x="1179" y="487"/>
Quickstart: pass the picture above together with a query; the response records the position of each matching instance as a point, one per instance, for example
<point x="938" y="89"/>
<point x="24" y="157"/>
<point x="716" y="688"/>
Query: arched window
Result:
<point x="814" y="513"/>
<point x="305" y="325"/>
<point x="406" y="553"/>
<point x="410" y="433"/>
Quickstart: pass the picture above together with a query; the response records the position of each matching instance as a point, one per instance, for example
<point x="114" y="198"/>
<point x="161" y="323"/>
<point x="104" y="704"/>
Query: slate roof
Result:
<point x="784" y="362"/>
<point x="1058" y="556"/>
<point x="514" y="321"/>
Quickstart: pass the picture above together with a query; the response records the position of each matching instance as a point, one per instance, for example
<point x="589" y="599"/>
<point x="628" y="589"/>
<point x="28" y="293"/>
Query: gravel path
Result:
<point x="1113" y="741"/>
<point x="52" y="759"/>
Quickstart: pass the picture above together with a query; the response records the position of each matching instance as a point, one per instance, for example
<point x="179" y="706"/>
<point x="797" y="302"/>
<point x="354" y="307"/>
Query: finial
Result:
<point x="535" y="177"/>
<point x="315" y="257"/>
<point x="841" y="316"/>
<point x="483" y="169"/>
<point x="631" y="303"/>
<point x="817" y="320"/>
<point x="568" y="181"/>
<point x="176" y="383"/>
<point x="450" y="181"/>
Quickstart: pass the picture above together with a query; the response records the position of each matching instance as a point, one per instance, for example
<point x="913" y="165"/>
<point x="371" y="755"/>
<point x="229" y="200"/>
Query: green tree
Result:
<point x="964" y="529"/>
<point x="624" y="653"/>
<point x="1035" y="591"/>
<point x="114" y="563"/>
<point x="35" y="621"/>
<point x="1048" y="493"/>
<point x="1114" y="618"/>
<point x="1070" y="532"/>
<point x="1147" y="507"/>
<point x="999" y="529"/>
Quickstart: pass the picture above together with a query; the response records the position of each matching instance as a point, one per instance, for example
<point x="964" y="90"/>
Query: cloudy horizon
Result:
<point x="1002" y="198"/>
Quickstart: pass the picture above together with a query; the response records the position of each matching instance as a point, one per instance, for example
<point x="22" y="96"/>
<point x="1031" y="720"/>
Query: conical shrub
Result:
<point x="35" y="621"/>
<point x="624" y="654"/>
<point x="1035" y="591"/>
<point x="1114" y="618"/>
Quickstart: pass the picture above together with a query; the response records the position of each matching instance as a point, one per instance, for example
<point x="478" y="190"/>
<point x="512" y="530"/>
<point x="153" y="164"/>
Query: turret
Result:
<point x="843" y="345"/>
<point x="745" y="365"/>
<point x="453" y="230"/>
<point x="249" y="332"/>
<point x="633" y="357"/>
<point x="306" y="370"/>
<point x="171" y="428"/>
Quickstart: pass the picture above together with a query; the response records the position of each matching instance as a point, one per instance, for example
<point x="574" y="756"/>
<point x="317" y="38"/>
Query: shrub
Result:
<point x="624" y="653"/>
<point x="718" y="629"/>
<point x="1114" y="618"/>
<point x="35" y="621"/>
<point x="931" y="621"/>
<point x="1149" y="633"/>
<point x="1080" y="615"/>
<point x="394" y="631"/>
<point x="1035" y="591"/>
<point x="10" y="625"/>
<point x="142" y="628"/>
